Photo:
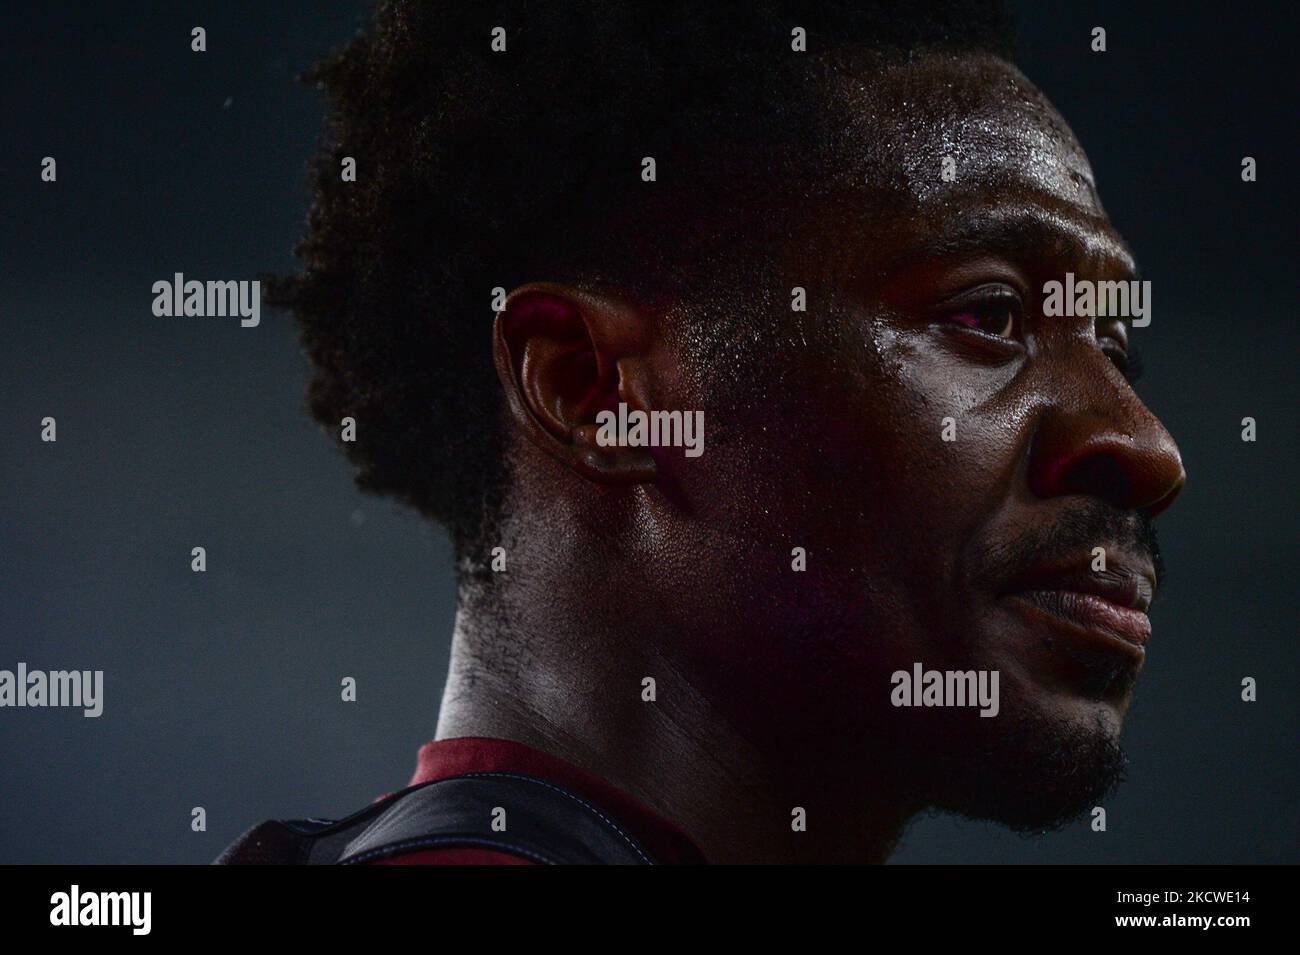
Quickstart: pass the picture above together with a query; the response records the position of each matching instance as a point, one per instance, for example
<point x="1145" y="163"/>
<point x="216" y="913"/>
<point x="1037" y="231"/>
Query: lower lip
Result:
<point x="1091" y="613"/>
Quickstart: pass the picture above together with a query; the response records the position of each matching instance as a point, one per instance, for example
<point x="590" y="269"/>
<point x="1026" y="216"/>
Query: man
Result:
<point x="905" y="560"/>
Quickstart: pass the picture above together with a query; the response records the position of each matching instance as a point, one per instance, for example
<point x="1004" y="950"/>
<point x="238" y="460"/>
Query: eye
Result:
<point x="1127" y="360"/>
<point x="992" y="310"/>
<point x="1112" y="338"/>
<point x="999" y="321"/>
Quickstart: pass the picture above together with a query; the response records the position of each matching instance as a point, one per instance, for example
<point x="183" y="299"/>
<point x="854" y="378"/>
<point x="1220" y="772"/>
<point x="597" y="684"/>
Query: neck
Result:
<point x="677" y="753"/>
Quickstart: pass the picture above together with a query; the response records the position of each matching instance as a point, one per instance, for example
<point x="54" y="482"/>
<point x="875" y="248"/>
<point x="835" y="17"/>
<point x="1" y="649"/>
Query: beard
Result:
<point x="1035" y="773"/>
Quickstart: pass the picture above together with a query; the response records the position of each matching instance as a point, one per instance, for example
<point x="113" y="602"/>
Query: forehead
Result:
<point x="943" y="146"/>
<point x="901" y="120"/>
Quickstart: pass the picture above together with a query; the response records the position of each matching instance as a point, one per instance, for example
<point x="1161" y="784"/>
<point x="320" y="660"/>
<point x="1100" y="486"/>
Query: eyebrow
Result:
<point x="1020" y="232"/>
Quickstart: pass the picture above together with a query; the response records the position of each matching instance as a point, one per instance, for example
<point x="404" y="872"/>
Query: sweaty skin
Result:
<point x="772" y="686"/>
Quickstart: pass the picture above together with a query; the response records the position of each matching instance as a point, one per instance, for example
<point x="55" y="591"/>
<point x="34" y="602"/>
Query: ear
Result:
<point x="563" y="355"/>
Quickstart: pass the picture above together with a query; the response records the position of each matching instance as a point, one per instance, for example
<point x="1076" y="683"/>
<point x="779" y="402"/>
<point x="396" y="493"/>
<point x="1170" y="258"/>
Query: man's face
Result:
<point x="947" y="456"/>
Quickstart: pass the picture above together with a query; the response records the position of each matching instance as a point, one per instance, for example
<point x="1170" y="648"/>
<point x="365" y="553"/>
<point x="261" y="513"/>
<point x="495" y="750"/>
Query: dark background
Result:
<point x="222" y="689"/>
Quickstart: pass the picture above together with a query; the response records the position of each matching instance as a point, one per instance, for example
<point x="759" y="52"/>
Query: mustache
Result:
<point x="1088" y="525"/>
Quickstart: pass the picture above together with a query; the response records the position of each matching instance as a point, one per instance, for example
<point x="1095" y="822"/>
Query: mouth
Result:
<point x="1108" y="608"/>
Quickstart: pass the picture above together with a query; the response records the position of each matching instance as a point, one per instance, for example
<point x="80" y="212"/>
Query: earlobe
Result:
<point x="563" y="356"/>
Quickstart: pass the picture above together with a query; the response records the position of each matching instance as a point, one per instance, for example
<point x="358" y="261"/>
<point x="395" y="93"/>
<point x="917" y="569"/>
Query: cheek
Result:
<point x="929" y="449"/>
<point x="933" y="436"/>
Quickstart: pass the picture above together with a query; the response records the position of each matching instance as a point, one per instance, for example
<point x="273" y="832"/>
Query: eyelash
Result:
<point x="1128" y="362"/>
<point x="1005" y="301"/>
<point x="996" y="300"/>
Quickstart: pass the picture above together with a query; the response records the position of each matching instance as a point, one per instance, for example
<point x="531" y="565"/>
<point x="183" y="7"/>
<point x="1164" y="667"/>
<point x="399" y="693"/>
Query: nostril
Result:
<point x="1100" y="475"/>
<point x="1136" y="467"/>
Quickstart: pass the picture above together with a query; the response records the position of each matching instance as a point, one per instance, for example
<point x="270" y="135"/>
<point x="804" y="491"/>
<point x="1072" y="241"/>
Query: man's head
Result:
<point x="944" y="456"/>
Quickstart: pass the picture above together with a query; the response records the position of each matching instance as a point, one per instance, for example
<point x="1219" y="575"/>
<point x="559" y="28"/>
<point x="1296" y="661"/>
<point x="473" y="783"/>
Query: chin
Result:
<point x="1039" y="770"/>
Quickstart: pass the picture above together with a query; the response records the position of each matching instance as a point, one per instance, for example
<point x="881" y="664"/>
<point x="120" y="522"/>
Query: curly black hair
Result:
<point x="477" y="168"/>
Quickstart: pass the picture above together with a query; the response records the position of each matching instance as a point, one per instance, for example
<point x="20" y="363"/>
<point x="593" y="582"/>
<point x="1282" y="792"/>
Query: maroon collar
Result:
<point x="479" y="754"/>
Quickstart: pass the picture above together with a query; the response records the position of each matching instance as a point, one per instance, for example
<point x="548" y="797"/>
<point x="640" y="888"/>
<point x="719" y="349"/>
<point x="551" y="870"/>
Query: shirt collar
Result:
<point x="480" y="754"/>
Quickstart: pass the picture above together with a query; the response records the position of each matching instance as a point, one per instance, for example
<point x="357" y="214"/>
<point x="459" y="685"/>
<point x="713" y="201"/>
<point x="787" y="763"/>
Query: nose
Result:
<point x="1123" y="455"/>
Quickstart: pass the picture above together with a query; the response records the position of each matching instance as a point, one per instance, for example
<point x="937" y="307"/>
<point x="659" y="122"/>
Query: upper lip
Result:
<point x="1128" y="581"/>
